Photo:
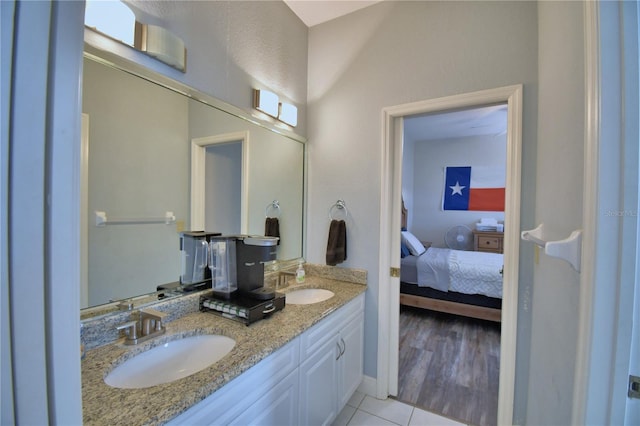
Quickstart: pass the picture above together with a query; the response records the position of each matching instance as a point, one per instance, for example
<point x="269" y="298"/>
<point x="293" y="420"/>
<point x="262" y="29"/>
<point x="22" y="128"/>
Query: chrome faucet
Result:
<point x="283" y="279"/>
<point x="147" y="326"/>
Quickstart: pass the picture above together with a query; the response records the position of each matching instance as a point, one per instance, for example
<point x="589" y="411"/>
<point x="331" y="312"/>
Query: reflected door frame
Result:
<point x="390" y="210"/>
<point x="198" y="173"/>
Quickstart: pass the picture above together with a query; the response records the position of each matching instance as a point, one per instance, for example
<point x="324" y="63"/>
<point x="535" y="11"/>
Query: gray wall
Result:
<point x="223" y="195"/>
<point x="428" y="221"/>
<point x="138" y="168"/>
<point x="394" y="53"/>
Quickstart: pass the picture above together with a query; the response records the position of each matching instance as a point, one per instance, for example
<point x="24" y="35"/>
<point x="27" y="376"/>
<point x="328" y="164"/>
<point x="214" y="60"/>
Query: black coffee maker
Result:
<point x="252" y="301"/>
<point x="251" y="254"/>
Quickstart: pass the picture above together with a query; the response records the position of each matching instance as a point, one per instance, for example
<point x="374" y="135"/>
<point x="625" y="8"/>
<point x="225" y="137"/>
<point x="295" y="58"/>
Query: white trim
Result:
<point x="390" y="199"/>
<point x="198" y="156"/>
<point x="589" y="212"/>
<point x="84" y="212"/>
<point x="368" y="386"/>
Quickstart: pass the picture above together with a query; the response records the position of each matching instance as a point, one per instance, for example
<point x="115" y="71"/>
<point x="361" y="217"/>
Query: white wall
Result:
<point x="393" y="53"/>
<point x="429" y="222"/>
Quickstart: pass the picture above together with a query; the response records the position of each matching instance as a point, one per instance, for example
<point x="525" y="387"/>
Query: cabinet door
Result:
<point x="237" y="396"/>
<point x="351" y="365"/>
<point x="279" y="406"/>
<point x="318" y="375"/>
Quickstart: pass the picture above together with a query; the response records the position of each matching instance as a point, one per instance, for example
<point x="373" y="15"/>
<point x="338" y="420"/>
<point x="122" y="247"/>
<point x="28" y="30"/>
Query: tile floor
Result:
<point x="363" y="410"/>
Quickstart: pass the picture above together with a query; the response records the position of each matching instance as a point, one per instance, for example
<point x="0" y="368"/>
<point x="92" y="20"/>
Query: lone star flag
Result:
<point x="474" y="188"/>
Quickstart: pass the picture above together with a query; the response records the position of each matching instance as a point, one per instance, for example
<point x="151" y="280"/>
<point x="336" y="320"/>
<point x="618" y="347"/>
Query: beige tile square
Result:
<point x="426" y="418"/>
<point x="345" y="416"/>
<point x="356" y="399"/>
<point x="362" y="418"/>
<point x="388" y="409"/>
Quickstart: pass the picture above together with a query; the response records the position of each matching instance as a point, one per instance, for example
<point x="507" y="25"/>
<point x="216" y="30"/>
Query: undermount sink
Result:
<point x="171" y="361"/>
<point x="308" y="296"/>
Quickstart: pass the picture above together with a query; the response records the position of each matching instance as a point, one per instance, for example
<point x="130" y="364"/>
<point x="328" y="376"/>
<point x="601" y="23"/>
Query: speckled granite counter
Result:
<point x="104" y="405"/>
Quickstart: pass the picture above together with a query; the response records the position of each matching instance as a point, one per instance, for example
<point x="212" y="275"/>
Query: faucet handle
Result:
<point x="131" y="328"/>
<point x="153" y="314"/>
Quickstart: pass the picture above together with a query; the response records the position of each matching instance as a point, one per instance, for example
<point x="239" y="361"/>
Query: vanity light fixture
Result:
<point x="288" y="114"/>
<point x="111" y="18"/>
<point x="162" y="44"/>
<point x="266" y="101"/>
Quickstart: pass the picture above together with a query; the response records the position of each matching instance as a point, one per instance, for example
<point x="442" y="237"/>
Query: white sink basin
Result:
<point x="308" y="296"/>
<point x="171" y="361"/>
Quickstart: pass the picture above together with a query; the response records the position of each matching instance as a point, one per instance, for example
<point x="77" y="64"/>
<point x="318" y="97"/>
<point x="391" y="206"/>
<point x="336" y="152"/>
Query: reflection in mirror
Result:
<point x="139" y="142"/>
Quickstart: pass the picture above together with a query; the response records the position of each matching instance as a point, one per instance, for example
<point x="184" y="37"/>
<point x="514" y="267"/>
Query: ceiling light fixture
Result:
<point x="162" y="44"/>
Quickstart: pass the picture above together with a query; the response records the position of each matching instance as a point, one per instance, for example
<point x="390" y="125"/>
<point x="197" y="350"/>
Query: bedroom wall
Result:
<point x="393" y="53"/>
<point x="429" y="222"/>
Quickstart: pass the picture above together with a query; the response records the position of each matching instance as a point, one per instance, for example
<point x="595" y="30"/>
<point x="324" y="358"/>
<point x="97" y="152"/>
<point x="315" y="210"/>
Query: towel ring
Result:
<point x="274" y="205"/>
<point x="337" y="207"/>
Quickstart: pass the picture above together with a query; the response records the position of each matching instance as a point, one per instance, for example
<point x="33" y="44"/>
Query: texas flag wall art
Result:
<point x="475" y="188"/>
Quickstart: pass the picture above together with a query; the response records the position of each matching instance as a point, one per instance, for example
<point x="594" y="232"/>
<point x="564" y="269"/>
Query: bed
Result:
<point x="464" y="283"/>
<point x="459" y="282"/>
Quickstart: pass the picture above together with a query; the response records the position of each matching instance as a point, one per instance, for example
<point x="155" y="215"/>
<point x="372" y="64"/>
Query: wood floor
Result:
<point x="449" y="365"/>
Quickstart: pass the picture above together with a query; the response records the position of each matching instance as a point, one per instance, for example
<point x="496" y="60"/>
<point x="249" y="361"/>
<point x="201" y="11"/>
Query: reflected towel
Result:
<point x="337" y="243"/>
<point x="272" y="228"/>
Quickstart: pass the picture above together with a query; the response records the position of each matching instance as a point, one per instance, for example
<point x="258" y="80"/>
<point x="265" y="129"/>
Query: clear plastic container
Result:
<point x="222" y="263"/>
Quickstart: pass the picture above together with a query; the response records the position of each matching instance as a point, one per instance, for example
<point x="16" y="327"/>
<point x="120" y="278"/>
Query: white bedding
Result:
<point x="468" y="272"/>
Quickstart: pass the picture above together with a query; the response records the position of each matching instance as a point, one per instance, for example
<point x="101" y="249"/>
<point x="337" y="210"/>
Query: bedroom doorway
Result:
<point x="449" y="341"/>
<point x="389" y="293"/>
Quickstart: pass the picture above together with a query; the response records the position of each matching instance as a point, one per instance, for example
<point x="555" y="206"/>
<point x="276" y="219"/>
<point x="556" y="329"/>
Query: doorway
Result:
<point x="449" y="361"/>
<point x="388" y="318"/>
<point x="224" y="156"/>
<point x="223" y="176"/>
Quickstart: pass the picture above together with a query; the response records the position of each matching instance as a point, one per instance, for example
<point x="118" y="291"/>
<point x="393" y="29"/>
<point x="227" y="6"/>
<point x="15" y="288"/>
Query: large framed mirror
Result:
<point x="139" y="133"/>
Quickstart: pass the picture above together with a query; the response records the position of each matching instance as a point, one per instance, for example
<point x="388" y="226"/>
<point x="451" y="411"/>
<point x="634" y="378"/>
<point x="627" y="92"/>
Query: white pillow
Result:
<point x="415" y="246"/>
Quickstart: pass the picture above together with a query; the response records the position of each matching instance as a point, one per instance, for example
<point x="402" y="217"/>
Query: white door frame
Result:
<point x="198" y="168"/>
<point x="390" y="202"/>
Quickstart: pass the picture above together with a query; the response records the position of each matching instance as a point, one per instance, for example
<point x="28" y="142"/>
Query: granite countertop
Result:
<point x="104" y="405"/>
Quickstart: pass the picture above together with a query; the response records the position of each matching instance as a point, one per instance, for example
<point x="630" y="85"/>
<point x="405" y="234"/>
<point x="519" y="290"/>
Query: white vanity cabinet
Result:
<point x="267" y="391"/>
<point x="306" y="382"/>
<point x="331" y="363"/>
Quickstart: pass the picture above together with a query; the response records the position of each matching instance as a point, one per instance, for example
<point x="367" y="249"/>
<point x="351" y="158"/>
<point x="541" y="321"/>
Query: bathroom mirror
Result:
<point x="138" y="130"/>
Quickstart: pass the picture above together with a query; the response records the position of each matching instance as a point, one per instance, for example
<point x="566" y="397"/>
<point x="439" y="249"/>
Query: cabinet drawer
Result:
<point x="488" y="243"/>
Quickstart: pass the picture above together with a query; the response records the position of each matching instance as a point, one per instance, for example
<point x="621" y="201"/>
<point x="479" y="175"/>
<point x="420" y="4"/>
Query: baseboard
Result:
<point x="368" y="386"/>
